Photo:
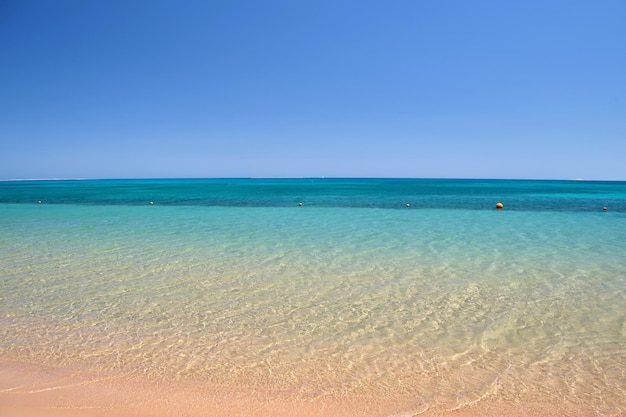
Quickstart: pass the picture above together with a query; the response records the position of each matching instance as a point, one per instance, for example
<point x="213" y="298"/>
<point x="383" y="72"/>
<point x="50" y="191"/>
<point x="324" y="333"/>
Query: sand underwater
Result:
<point x="229" y="298"/>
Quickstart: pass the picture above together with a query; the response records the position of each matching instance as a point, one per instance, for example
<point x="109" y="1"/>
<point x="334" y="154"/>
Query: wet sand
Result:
<point x="32" y="390"/>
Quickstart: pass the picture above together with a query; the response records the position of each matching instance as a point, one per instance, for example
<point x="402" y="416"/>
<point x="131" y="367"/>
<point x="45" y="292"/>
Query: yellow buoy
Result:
<point x="499" y="205"/>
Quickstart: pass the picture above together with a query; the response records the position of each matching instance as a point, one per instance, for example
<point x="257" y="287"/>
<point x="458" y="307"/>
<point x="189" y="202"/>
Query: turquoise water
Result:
<point x="367" y="193"/>
<point x="352" y="293"/>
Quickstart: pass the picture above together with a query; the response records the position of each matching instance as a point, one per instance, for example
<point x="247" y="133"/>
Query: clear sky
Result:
<point x="228" y="88"/>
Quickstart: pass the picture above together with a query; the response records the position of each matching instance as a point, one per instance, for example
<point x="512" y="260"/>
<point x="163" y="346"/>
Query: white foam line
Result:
<point x="13" y="388"/>
<point x="72" y="407"/>
<point x="492" y="390"/>
<point x="412" y="413"/>
<point x="61" y="386"/>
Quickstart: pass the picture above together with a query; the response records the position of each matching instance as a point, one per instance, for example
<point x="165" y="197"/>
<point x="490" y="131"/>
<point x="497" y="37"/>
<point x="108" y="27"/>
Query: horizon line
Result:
<point x="304" y="177"/>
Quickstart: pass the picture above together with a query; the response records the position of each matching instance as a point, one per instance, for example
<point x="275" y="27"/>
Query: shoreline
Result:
<point x="36" y="390"/>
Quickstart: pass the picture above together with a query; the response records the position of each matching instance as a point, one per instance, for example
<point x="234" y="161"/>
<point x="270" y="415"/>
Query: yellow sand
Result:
<point x="31" y="390"/>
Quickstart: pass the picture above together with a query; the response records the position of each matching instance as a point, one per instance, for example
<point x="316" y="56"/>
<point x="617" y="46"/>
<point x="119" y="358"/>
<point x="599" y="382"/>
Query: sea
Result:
<point x="323" y="286"/>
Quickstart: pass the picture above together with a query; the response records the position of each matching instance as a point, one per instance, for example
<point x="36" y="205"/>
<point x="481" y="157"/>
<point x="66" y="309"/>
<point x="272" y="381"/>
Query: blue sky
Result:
<point x="478" y="89"/>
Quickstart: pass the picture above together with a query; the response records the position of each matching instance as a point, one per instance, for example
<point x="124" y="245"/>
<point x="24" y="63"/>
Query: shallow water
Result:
<point x="451" y="306"/>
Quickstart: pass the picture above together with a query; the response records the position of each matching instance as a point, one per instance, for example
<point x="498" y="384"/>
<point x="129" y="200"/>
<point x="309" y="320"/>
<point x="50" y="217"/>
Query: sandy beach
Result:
<point x="30" y="390"/>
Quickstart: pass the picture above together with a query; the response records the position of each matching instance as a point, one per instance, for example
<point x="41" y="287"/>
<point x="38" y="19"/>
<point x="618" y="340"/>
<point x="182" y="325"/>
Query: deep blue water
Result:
<point x="527" y="195"/>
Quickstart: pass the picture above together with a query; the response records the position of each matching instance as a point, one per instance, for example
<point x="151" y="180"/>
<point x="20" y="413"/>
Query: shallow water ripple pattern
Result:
<point x="449" y="306"/>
